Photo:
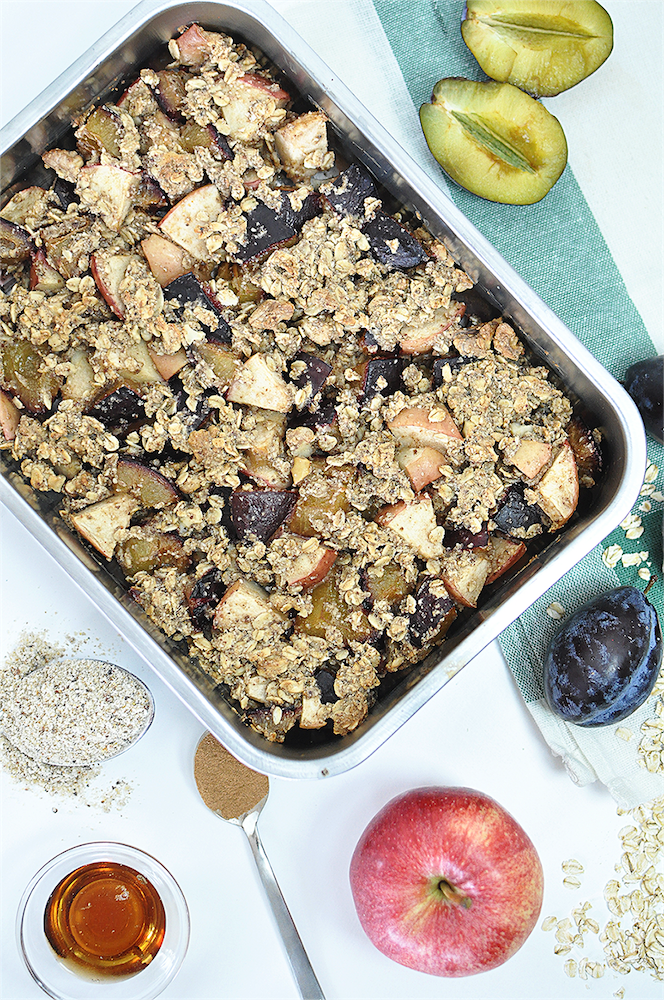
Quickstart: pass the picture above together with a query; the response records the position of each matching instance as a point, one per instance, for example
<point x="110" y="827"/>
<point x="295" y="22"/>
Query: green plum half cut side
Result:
<point x="494" y="140"/>
<point x="540" y="46"/>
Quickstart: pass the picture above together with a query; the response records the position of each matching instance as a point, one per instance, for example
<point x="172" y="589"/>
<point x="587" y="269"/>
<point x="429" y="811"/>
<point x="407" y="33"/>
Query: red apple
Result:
<point x="445" y="881"/>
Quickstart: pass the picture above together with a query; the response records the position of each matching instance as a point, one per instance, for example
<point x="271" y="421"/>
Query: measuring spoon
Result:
<point x="225" y="785"/>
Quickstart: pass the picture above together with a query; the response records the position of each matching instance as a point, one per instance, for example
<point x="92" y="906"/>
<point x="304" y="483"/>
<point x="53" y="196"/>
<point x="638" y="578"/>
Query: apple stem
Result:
<point x="451" y="894"/>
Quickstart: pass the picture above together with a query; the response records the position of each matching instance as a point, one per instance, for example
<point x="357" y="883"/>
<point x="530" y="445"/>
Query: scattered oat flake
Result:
<point x="631" y="521"/>
<point x="631" y="558"/>
<point x="658" y="496"/>
<point x="646" y="506"/>
<point x="611" y="556"/>
<point x="572" y="865"/>
<point x="624" y="734"/>
<point x="634" y="532"/>
<point x="570" y="968"/>
<point x="549" y="923"/>
<point x="644" y="573"/>
<point x="651" y="473"/>
<point x="556" y="611"/>
<point x="571" y="882"/>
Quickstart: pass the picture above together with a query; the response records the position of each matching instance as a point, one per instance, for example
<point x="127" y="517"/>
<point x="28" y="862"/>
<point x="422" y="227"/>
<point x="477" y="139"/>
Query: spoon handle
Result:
<point x="308" y="985"/>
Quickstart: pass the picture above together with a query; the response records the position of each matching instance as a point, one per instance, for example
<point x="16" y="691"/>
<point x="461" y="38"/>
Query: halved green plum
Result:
<point x="494" y="140"/>
<point x="540" y="46"/>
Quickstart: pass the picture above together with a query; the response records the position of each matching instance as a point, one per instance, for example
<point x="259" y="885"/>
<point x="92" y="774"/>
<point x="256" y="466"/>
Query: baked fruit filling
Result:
<point x="270" y="399"/>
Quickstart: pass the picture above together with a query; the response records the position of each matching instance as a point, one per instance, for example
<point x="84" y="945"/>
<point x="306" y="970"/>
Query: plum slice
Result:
<point x="187" y="290"/>
<point x="514" y="515"/>
<point x="539" y="46"/>
<point x="15" y="243"/>
<point x="392" y="244"/>
<point x="24" y="374"/>
<point x="347" y="192"/>
<point x="266" y="230"/>
<point x="329" y="610"/>
<point x="144" y="555"/>
<point x="146" y="485"/>
<point x="494" y="140"/>
<point x="203" y="599"/>
<point x="380" y="376"/>
<point x="261" y="512"/>
<point x="434" y="613"/>
<point x="118" y="406"/>
<point x="313" y="375"/>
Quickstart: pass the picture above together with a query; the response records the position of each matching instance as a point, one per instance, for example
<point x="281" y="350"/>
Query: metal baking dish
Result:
<point x="115" y="59"/>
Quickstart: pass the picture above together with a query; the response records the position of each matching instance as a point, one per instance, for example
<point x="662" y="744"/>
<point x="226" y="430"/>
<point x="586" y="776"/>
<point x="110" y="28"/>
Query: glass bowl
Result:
<point x="56" y="977"/>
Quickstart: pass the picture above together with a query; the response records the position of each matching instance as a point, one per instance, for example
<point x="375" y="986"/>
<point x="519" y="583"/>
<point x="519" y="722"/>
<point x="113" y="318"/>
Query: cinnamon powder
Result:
<point x="225" y="785"/>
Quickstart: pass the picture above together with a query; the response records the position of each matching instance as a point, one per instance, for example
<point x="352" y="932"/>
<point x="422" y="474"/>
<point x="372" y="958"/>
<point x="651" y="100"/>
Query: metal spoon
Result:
<point x="307" y="984"/>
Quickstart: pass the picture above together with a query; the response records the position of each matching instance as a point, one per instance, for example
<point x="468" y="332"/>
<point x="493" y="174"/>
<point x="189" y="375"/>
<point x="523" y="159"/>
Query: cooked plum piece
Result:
<point x="117" y="407"/>
<point x="143" y="555"/>
<point x="16" y="244"/>
<point x="514" y="515"/>
<point x="101" y="132"/>
<point x="313" y="376"/>
<point x="224" y="364"/>
<point x="309" y="209"/>
<point x="148" y="486"/>
<point x="266" y="230"/>
<point x="261" y="512"/>
<point x="434" y="613"/>
<point x="187" y="290"/>
<point x="494" y="140"/>
<point x="65" y="192"/>
<point x="325" y="681"/>
<point x="203" y="599"/>
<point x="171" y="93"/>
<point x="323" y="493"/>
<point x="391" y="586"/>
<point x="587" y="452"/>
<point x="392" y="244"/>
<point x="462" y="538"/>
<point x="542" y="47"/>
<point x="24" y="374"/>
<point x="380" y="375"/>
<point x="644" y="382"/>
<point x="348" y="192"/>
<point x="331" y="611"/>
<point x="193" y="135"/>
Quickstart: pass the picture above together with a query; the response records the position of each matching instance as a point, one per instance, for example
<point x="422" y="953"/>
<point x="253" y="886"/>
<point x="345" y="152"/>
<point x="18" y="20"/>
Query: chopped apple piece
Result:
<point x="169" y="365"/>
<point x="108" y="270"/>
<point x="464" y="574"/>
<point x="107" y="191"/>
<point x="301" y="469"/>
<point x="9" y="416"/>
<point x="414" y="427"/>
<point x="531" y="457"/>
<point x="100" y="523"/>
<point x="256" y="384"/>
<point x="253" y="101"/>
<point x="188" y="220"/>
<point x="80" y="382"/>
<point x="265" y="461"/>
<point x="421" y="465"/>
<point x="309" y="568"/>
<point x="419" y="337"/>
<point x="193" y="46"/>
<point x="557" y="492"/>
<point x="245" y="604"/>
<point x="414" y="523"/>
<point x="502" y="554"/>
<point x="43" y="277"/>
<point x="15" y="243"/>
<point x="301" y="144"/>
<point x="166" y="259"/>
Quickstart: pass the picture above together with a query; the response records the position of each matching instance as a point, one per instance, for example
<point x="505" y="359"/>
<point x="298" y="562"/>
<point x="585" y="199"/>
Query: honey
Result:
<point x="105" y="920"/>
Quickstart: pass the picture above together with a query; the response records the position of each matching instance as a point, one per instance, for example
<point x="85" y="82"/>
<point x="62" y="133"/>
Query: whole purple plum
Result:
<point x="644" y="382"/>
<point x="604" y="660"/>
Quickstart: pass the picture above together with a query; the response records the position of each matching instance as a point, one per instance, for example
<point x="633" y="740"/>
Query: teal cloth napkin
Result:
<point x="557" y="247"/>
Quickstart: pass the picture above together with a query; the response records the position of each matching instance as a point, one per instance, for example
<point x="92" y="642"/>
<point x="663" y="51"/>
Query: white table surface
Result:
<point x="476" y="732"/>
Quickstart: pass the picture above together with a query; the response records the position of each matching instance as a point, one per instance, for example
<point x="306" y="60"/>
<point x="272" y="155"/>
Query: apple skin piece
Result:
<point x="644" y="381"/>
<point x="187" y="220"/>
<point x="261" y="513"/>
<point x="464" y="573"/>
<point x="99" y="523"/>
<point x="245" y="604"/>
<point x="419" y="337"/>
<point x="557" y="492"/>
<point x="413" y="426"/>
<point x="503" y="554"/>
<point x="166" y="260"/>
<point x="169" y="365"/>
<point x="9" y="416"/>
<point x="310" y="568"/>
<point x="256" y="384"/>
<point x="446" y="882"/>
<point x="531" y="457"/>
<point x="603" y="662"/>
<point x="108" y="270"/>
<point x="542" y="48"/>
<point x="421" y="465"/>
<point x="494" y="140"/>
<point x="413" y="522"/>
<point x="194" y="46"/>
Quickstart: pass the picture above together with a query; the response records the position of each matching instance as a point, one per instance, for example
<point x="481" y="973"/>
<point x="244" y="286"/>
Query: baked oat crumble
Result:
<point x="267" y="399"/>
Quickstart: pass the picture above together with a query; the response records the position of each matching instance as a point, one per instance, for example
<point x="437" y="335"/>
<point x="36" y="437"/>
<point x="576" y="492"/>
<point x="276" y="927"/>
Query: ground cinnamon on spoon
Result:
<point x="225" y="785"/>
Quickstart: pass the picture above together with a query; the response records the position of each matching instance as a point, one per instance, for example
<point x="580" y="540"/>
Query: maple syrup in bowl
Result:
<point x="103" y="920"/>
